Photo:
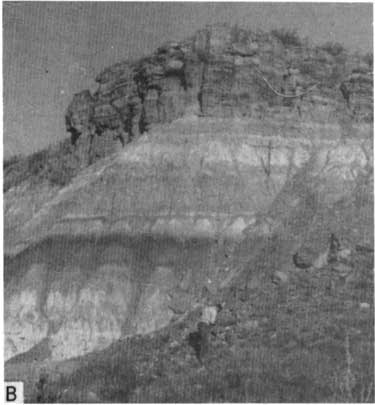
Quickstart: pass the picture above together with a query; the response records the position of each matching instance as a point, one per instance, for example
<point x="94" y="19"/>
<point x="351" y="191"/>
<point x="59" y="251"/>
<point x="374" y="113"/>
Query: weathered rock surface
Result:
<point x="221" y="71"/>
<point x="138" y="235"/>
<point x="178" y="181"/>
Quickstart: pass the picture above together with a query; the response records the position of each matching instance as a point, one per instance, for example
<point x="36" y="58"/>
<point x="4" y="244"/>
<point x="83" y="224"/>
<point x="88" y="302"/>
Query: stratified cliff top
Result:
<point x="247" y="152"/>
<point x="223" y="71"/>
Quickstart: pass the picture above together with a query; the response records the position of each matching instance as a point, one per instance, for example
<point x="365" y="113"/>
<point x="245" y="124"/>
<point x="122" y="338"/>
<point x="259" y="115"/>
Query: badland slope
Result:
<point x="205" y="166"/>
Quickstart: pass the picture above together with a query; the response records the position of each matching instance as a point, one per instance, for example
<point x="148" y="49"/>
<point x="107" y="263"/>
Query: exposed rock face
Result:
<point x="224" y="158"/>
<point x="221" y="71"/>
<point x="187" y="180"/>
<point x="358" y="84"/>
<point x="83" y="293"/>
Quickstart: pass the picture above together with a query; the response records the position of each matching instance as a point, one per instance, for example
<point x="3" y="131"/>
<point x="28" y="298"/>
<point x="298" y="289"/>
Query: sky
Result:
<point x="52" y="50"/>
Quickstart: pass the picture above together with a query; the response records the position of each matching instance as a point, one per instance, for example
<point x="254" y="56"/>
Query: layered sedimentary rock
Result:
<point x="221" y="71"/>
<point x="138" y="236"/>
<point x="192" y="179"/>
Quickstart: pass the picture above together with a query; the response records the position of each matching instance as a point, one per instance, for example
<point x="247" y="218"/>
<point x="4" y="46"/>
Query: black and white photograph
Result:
<point x="188" y="202"/>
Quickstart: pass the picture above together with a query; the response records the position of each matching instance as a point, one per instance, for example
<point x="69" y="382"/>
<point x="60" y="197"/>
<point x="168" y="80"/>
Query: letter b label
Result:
<point x="14" y="392"/>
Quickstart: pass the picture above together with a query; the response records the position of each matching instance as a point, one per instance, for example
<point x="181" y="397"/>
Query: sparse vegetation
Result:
<point x="42" y="389"/>
<point x="333" y="48"/>
<point x="335" y="77"/>
<point x="311" y="343"/>
<point x="11" y="161"/>
<point x="56" y="165"/>
<point x="239" y="35"/>
<point x="288" y="37"/>
<point x="112" y="379"/>
<point x="306" y="339"/>
<point x="369" y="59"/>
<point x="15" y="171"/>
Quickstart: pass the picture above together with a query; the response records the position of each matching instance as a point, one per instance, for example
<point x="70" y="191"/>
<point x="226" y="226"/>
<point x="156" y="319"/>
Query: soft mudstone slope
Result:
<point x="191" y="179"/>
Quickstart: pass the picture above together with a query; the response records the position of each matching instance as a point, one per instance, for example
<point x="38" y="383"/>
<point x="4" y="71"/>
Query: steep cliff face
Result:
<point x="221" y="71"/>
<point x="230" y="165"/>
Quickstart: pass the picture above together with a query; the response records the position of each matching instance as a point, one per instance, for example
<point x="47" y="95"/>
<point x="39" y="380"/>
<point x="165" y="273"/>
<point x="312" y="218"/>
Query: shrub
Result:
<point x="43" y="391"/>
<point x="239" y="35"/>
<point x="333" y="48"/>
<point x="369" y="59"/>
<point x="308" y="68"/>
<point x="55" y="165"/>
<point x="335" y="77"/>
<point x="287" y="37"/>
<point x="60" y="175"/>
<point x="37" y="162"/>
<point x="118" y="382"/>
<point x="203" y="55"/>
<point x="9" y="162"/>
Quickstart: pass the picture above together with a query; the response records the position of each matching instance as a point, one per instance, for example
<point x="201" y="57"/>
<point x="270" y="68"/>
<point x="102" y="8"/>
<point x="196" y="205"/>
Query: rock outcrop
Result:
<point x="181" y="182"/>
<point x="225" y="156"/>
<point x="221" y="71"/>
